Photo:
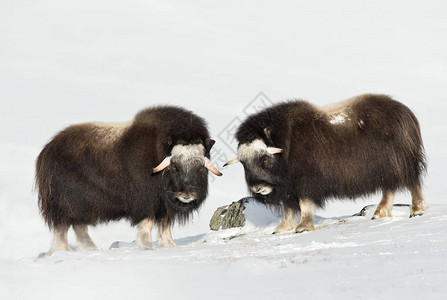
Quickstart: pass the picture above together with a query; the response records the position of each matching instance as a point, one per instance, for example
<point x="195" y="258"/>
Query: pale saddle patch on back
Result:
<point x="339" y="118"/>
<point x="108" y="133"/>
<point x="340" y="113"/>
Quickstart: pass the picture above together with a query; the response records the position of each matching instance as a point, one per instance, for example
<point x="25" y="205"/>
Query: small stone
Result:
<point x="115" y="245"/>
<point x="229" y="216"/>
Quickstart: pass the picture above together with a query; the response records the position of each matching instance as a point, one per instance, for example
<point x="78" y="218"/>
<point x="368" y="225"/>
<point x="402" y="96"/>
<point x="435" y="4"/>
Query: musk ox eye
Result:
<point x="174" y="168"/>
<point x="266" y="160"/>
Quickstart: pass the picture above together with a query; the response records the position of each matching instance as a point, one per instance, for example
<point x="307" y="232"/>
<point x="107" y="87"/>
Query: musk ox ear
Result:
<point x="235" y="160"/>
<point x="211" y="168"/>
<point x="166" y="162"/>
<point x="167" y="142"/>
<point x="209" y="143"/>
<point x="268" y="133"/>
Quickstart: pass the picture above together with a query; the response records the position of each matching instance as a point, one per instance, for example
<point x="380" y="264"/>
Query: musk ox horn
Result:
<point x="211" y="168"/>
<point x="235" y="160"/>
<point x="273" y="150"/>
<point x="166" y="162"/>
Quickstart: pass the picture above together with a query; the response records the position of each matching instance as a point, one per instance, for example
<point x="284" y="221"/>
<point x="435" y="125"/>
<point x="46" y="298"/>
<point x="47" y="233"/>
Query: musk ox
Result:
<point x="300" y="155"/>
<point x="151" y="171"/>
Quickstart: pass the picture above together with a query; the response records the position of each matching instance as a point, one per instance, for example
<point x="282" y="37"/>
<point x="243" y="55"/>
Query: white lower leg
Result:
<point x="384" y="208"/>
<point x="60" y="241"/>
<point x="84" y="239"/>
<point x="307" y="207"/>
<point x="418" y="205"/>
<point x="164" y="236"/>
<point x="288" y="223"/>
<point x="144" y="236"/>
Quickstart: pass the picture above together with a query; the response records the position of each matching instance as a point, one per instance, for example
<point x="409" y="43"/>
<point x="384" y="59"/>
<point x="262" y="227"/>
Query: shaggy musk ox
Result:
<point x="151" y="171"/>
<point x="299" y="155"/>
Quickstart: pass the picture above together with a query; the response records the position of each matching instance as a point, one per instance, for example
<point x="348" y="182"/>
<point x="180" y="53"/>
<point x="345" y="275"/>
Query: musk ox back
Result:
<point x="299" y="155"/>
<point x="151" y="171"/>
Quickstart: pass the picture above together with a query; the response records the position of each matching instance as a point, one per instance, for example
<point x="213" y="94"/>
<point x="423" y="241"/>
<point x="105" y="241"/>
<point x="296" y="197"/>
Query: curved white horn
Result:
<point x="273" y="150"/>
<point x="166" y="162"/>
<point x="235" y="160"/>
<point x="211" y="168"/>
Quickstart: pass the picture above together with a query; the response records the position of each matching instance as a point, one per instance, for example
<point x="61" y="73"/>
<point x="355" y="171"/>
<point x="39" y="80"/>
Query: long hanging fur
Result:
<point x="354" y="149"/>
<point x="91" y="173"/>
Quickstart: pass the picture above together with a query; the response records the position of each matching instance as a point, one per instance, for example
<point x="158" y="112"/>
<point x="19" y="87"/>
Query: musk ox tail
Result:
<point x="43" y="186"/>
<point x="414" y="154"/>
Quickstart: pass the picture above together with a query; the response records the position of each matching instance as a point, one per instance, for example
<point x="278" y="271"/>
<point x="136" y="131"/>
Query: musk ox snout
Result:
<point x="186" y="197"/>
<point x="262" y="189"/>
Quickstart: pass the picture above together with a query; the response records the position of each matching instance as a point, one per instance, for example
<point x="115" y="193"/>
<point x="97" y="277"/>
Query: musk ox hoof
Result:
<point x="377" y="217"/>
<point x="167" y="245"/>
<point x="52" y="251"/>
<point x="417" y="211"/>
<point x="381" y="212"/>
<point x="44" y="255"/>
<point x="416" y="215"/>
<point x="300" y="229"/>
<point x="143" y="246"/>
<point x="88" y="248"/>
<point x="283" y="230"/>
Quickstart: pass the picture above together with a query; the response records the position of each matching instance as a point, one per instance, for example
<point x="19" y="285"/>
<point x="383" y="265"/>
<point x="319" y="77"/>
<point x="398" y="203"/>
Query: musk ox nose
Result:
<point x="261" y="189"/>
<point x="186" y="197"/>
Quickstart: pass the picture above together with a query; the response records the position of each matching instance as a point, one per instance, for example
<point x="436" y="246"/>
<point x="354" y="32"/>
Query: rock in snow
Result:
<point x="229" y="216"/>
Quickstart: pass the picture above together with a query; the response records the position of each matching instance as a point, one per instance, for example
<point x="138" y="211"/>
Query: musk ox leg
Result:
<point x="84" y="239"/>
<point x="144" y="236"/>
<point x="418" y="205"/>
<point x="288" y="223"/>
<point x="384" y="208"/>
<point x="164" y="235"/>
<point x="60" y="241"/>
<point x="307" y="207"/>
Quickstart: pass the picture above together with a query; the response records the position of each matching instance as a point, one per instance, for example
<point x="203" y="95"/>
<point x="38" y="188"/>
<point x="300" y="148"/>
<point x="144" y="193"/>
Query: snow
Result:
<point x="352" y="257"/>
<point x="66" y="62"/>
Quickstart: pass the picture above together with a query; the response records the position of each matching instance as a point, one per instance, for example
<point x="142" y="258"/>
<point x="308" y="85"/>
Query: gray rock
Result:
<point x="229" y="216"/>
<point x="115" y="245"/>
<point x="364" y="210"/>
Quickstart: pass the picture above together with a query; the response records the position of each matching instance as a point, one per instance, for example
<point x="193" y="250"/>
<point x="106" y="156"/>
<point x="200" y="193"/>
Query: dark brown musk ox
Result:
<point x="150" y="171"/>
<point x="300" y="156"/>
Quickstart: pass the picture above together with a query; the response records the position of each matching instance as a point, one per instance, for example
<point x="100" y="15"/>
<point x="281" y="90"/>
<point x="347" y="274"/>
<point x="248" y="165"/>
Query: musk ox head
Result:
<point x="185" y="174"/>
<point x="262" y="170"/>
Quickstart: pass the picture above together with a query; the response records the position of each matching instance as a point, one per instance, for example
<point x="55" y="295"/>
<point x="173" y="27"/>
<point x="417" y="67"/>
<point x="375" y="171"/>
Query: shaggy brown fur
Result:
<point x="366" y="144"/>
<point x="92" y="173"/>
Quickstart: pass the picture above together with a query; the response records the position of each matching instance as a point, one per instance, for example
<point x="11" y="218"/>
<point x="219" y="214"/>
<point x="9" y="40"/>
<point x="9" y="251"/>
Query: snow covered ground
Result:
<point x="352" y="257"/>
<point x="65" y="62"/>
